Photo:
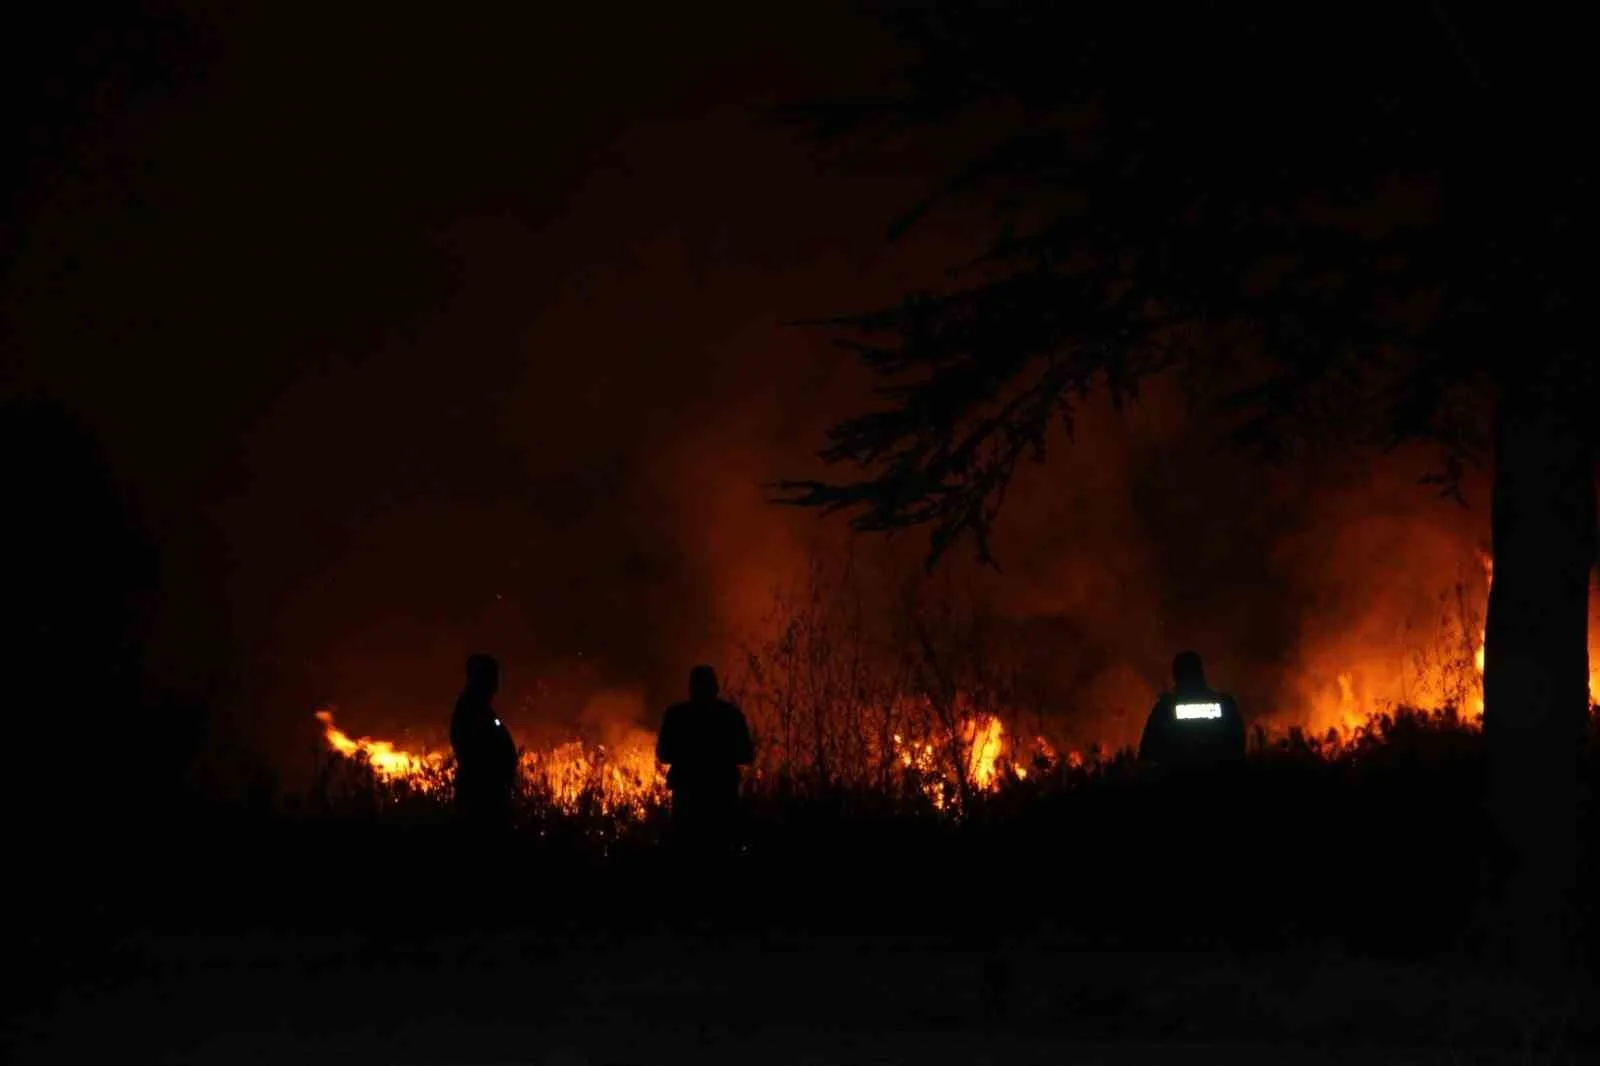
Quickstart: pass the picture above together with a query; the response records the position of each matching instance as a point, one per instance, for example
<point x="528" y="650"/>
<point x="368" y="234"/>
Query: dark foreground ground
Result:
<point x="1297" y="917"/>
<point x="524" y="998"/>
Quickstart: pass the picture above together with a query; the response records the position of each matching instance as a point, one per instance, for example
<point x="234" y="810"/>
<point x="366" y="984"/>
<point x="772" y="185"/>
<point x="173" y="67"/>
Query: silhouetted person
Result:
<point x="486" y="756"/>
<point x="704" y="741"/>
<point x="1192" y="727"/>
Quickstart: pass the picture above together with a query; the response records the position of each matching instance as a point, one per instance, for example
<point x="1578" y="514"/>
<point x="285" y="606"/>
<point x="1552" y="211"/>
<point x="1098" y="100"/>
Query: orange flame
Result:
<point x="1483" y="631"/>
<point x="387" y="761"/>
<point x="625" y="779"/>
<point x="981" y="739"/>
<point x="987" y="754"/>
<point x="1355" y="698"/>
<point x="622" y="778"/>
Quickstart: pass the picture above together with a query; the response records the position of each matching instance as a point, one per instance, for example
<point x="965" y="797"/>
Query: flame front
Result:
<point x="619" y="779"/>
<point x="387" y="761"/>
<point x="986" y="753"/>
<point x="981" y="739"/>
<point x="626" y="780"/>
<point x="955" y="749"/>
<point x="1483" y="632"/>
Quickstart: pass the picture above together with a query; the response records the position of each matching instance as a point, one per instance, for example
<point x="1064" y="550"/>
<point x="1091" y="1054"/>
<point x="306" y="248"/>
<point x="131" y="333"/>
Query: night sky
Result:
<point x="410" y="337"/>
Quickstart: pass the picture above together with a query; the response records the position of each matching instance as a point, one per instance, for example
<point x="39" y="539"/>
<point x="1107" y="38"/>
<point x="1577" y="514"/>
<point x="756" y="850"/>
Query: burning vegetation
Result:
<point x="940" y="728"/>
<point x="620" y="779"/>
<point x="625" y="780"/>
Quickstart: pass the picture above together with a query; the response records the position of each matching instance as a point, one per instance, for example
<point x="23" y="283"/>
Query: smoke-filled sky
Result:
<point x="414" y="333"/>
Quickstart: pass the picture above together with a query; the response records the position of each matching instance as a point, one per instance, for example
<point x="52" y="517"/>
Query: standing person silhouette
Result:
<point x="704" y="741"/>
<point x="1192" y="727"/>
<point x="486" y="756"/>
<point x="1194" y="733"/>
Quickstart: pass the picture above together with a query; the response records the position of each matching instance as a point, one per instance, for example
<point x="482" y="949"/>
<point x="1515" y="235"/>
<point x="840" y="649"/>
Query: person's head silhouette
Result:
<point x="702" y="684"/>
<point x="1188" y="672"/>
<point x="483" y="675"/>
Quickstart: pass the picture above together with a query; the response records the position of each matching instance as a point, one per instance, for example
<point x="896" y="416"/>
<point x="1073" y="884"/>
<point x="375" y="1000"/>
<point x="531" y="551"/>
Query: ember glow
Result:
<point x="982" y="740"/>
<point x="1483" y="632"/>
<point x="979" y="745"/>
<point x="1374" y="672"/>
<point x="624" y="779"/>
<point x="1386" y="659"/>
<point x="615" y="779"/>
<point x="947" y="752"/>
<point x="387" y="761"/>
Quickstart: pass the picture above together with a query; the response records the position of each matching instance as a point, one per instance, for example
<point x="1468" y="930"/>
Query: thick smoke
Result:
<point x="1317" y="589"/>
<point x="1150" y="534"/>
<point x="402" y="369"/>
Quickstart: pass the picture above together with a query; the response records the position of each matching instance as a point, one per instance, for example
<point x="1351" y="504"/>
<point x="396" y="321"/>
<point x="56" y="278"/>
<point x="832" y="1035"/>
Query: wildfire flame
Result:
<point x="618" y="779"/>
<point x="621" y="778"/>
<point x="624" y="778"/>
<point x="387" y="761"/>
<point x="981" y="738"/>
<point x="987" y="756"/>
<point x="1483" y="632"/>
<point x="1365" y="683"/>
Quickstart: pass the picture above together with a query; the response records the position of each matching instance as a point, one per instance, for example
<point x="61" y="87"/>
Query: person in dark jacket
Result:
<point x="486" y="756"/>
<point x="704" y="741"/>
<point x="1193" y="726"/>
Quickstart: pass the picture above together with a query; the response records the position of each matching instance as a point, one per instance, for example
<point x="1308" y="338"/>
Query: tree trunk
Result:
<point x="1536" y="659"/>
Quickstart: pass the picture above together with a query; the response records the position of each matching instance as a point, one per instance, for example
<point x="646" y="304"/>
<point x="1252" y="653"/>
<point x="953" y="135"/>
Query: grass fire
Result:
<point x="823" y="532"/>
<point x="939" y="747"/>
<point x="626" y="780"/>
